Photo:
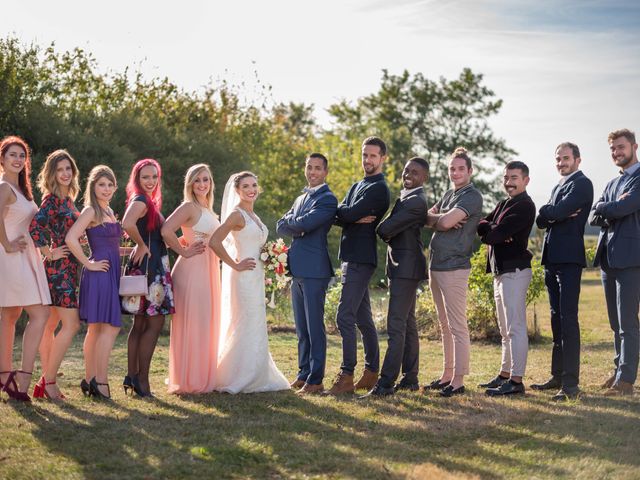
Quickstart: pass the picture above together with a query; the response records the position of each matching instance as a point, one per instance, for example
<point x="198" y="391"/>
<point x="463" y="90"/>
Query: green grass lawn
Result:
<point x="280" y="435"/>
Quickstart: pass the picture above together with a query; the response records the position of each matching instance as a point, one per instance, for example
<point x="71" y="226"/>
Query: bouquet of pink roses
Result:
<point x="274" y="257"/>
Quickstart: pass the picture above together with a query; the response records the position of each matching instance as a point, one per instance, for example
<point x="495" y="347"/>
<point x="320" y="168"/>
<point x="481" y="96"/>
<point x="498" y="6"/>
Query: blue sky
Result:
<point x="566" y="70"/>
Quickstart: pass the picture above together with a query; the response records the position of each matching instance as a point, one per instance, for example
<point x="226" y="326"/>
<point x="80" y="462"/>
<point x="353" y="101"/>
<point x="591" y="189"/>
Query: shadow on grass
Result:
<point x="282" y="435"/>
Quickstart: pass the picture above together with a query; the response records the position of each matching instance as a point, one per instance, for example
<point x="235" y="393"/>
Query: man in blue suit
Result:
<point x="617" y="212"/>
<point x="563" y="257"/>
<point x="308" y="222"/>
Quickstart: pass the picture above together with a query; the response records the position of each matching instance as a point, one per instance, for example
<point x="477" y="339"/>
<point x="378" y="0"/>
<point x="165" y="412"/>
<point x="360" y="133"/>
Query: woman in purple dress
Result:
<point x="99" y="300"/>
<point x="58" y="182"/>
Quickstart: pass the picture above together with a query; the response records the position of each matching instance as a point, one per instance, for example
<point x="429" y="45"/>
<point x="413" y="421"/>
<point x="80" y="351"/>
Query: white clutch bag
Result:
<point x="135" y="285"/>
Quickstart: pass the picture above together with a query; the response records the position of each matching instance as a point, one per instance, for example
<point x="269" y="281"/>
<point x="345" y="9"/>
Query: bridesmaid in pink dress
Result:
<point x="193" y="345"/>
<point x="28" y="288"/>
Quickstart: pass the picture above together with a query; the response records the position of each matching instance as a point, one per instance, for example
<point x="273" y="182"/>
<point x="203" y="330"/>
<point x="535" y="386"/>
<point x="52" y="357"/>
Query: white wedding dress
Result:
<point x="244" y="363"/>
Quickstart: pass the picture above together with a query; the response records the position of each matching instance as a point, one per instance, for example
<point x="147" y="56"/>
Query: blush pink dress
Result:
<point x="195" y="326"/>
<point x="24" y="281"/>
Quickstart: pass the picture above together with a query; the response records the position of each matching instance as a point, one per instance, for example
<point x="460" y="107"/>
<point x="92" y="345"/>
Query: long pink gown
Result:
<point x="195" y="327"/>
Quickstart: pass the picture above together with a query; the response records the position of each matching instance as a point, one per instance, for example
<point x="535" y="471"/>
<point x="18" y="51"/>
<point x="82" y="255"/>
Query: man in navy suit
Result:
<point x="563" y="257"/>
<point x="617" y="212"/>
<point x="308" y="222"/>
<point x="358" y="215"/>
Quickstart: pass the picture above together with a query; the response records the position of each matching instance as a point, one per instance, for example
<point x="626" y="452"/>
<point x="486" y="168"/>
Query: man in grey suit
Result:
<point x="617" y="212"/>
<point x="406" y="268"/>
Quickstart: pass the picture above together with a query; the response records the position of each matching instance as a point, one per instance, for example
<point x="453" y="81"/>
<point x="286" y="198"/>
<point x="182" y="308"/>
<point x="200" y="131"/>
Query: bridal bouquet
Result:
<point x="274" y="256"/>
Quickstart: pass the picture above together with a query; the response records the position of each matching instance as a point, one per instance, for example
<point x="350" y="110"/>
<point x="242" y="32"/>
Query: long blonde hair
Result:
<point x="47" y="183"/>
<point x="189" y="180"/>
<point x="90" y="199"/>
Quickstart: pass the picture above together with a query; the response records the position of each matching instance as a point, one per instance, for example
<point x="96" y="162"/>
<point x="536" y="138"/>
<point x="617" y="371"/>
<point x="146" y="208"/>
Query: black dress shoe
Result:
<point x="436" y="385"/>
<point x="566" y="393"/>
<point x="411" y="387"/>
<point x="377" y="391"/>
<point x="507" y="388"/>
<point x="494" y="382"/>
<point x="449" y="391"/>
<point x="550" y="384"/>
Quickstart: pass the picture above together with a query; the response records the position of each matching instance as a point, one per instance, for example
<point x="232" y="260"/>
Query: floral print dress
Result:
<point x="49" y="227"/>
<point x="160" y="299"/>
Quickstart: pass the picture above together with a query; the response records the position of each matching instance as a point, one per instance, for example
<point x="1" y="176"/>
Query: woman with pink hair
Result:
<point x="142" y="221"/>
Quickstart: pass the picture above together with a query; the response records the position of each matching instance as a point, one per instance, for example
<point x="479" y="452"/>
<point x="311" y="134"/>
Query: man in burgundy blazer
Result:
<point x="506" y="230"/>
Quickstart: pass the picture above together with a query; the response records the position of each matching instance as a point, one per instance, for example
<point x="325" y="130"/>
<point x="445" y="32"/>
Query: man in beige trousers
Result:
<point x="454" y="219"/>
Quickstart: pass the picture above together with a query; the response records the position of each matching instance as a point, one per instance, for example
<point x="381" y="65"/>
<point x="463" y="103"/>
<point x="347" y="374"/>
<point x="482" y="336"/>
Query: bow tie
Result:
<point x="308" y="190"/>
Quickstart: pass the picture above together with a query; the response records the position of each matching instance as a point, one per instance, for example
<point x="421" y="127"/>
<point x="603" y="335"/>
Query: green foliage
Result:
<point x="331" y="306"/>
<point x="61" y="100"/>
<point x="590" y="252"/>
<point x="281" y="316"/>
<point x="418" y="116"/>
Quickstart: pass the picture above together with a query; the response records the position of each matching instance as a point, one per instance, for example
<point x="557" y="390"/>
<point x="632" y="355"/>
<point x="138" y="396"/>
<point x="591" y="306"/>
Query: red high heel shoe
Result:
<point x="11" y="387"/>
<point x="40" y="390"/>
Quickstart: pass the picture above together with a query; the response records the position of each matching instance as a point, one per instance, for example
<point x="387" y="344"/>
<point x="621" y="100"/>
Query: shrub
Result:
<point x="281" y="317"/>
<point x="590" y="252"/>
<point x="331" y="305"/>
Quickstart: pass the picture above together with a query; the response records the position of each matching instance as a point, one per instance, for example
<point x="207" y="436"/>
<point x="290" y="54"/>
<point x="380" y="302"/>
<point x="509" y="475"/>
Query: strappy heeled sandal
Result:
<point x="94" y="391"/>
<point x="11" y="387"/>
<point x="40" y="390"/>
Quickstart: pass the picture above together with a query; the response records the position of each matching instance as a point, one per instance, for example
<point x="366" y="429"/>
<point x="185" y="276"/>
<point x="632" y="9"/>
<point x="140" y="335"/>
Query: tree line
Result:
<point x="59" y="99"/>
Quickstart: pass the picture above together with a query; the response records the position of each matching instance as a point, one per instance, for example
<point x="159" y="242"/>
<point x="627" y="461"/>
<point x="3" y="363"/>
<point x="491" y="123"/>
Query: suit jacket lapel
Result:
<point x="554" y="193"/>
<point x="558" y="188"/>
<point x="396" y="206"/>
<point x="299" y="204"/>
<point x="307" y="199"/>
<point x="361" y="188"/>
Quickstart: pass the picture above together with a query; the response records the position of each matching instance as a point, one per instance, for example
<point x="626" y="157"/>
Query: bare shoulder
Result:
<point x="189" y="207"/>
<point x="188" y="213"/>
<point x="6" y="193"/>
<point x="88" y="213"/>
<point x="235" y="220"/>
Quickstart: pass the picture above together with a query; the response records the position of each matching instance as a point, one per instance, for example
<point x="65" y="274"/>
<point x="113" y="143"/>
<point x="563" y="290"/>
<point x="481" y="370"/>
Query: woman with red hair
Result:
<point x="142" y="221"/>
<point x="27" y="287"/>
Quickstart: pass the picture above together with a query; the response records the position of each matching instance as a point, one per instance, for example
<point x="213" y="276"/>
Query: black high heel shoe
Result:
<point x="127" y="384"/>
<point x="135" y="381"/>
<point x="85" y="387"/>
<point x="95" y="392"/>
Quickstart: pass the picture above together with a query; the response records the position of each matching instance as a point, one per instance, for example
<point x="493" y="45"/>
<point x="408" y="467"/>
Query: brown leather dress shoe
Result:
<point x="309" y="389"/>
<point x="367" y="381"/>
<point x="619" y="389"/>
<point x="297" y="384"/>
<point x="608" y="383"/>
<point x="343" y="384"/>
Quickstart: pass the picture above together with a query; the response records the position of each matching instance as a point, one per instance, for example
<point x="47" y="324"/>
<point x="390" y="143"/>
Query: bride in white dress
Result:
<point x="244" y="362"/>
